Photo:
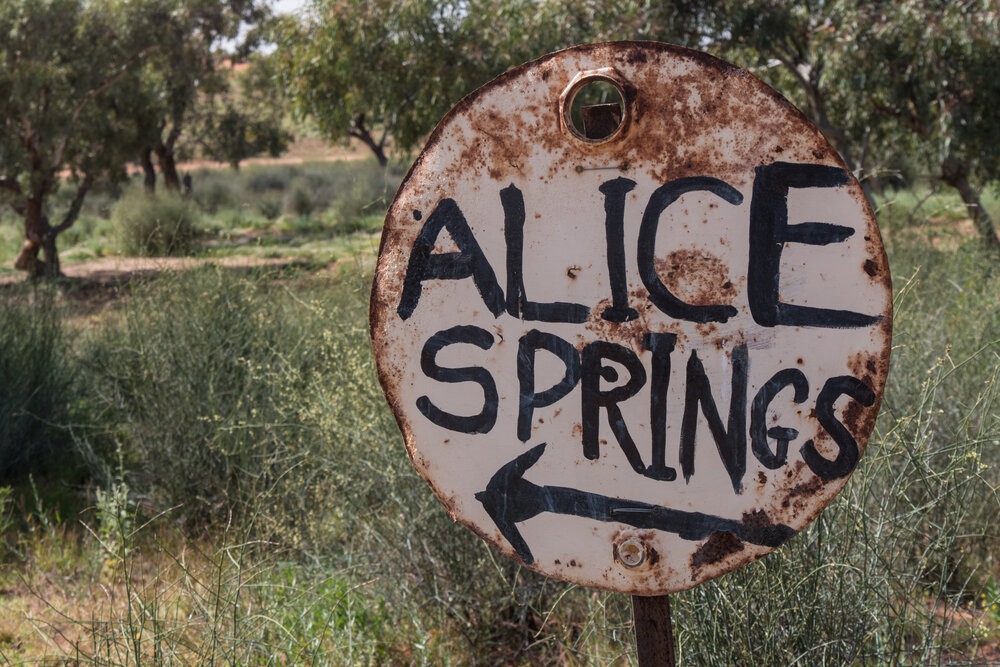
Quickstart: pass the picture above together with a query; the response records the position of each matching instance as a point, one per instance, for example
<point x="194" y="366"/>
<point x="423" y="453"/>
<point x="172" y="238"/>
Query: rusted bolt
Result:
<point x="632" y="552"/>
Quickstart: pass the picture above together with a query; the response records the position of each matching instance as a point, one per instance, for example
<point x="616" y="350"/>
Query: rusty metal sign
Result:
<point x="639" y="345"/>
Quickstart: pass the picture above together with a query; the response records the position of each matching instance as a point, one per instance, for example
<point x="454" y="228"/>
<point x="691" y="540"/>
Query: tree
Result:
<point x="877" y="79"/>
<point x="65" y="91"/>
<point x="185" y="71"/>
<point x="378" y="69"/>
<point x="238" y="124"/>
<point x="385" y="69"/>
<point x="932" y="86"/>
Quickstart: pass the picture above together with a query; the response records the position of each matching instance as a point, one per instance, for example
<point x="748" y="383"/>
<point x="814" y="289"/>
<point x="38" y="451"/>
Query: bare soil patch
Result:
<point x="301" y="151"/>
<point x="125" y="269"/>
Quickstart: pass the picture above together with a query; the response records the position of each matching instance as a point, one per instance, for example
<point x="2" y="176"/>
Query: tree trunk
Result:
<point x="376" y="148"/>
<point x="360" y="131"/>
<point x="38" y="237"/>
<point x="955" y="173"/>
<point x="167" y="158"/>
<point x="52" y="267"/>
<point x="168" y="167"/>
<point x="148" y="172"/>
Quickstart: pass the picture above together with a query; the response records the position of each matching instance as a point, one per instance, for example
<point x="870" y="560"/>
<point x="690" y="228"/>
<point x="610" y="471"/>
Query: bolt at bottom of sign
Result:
<point x="632" y="552"/>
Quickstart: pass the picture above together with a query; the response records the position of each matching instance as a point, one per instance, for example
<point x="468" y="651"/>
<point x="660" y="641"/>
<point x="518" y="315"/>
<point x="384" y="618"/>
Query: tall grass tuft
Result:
<point x="36" y="385"/>
<point x="197" y="386"/>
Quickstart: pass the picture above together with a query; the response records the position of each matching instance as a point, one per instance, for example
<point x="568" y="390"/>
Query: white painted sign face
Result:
<point x="641" y="360"/>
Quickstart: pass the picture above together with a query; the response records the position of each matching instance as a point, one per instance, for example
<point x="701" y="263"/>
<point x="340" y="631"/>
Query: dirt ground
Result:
<point x="122" y="270"/>
<point x="301" y="151"/>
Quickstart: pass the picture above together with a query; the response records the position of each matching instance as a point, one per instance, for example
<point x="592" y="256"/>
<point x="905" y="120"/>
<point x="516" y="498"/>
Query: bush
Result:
<point x="214" y="192"/>
<point x="299" y="199"/>
<point x="155" y="225"/>
<point x="269" y="206"/>
<point x="263" y="179"/>
<point x="366" y="196"/>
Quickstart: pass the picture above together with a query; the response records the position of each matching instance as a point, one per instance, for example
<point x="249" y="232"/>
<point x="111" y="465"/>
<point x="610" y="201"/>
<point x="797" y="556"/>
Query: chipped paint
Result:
<point x="677" y="335"/>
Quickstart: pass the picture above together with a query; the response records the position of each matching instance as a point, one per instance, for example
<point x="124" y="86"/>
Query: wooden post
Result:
<point x="654" y="633"/>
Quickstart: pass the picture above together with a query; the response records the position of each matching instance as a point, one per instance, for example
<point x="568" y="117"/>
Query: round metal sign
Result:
<point x="635" y="345"/>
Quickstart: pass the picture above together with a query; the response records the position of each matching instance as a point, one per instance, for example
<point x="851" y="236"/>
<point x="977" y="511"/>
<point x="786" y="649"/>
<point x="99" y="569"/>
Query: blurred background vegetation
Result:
<point x="179" y="470"/>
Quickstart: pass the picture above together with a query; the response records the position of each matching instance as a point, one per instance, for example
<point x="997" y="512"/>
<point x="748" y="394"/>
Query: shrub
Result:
<point x="157" y="225"/>
<point x="262" y="179"/>
<point x="364" y="194"/>
<point x="269" y="206"/>
<point x="214" y="191"/>
<point x="299" y="198"/>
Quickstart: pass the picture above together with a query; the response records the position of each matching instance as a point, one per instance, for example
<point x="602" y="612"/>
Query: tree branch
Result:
<point x="75" y="206"/>
<point x="57" y="155"/>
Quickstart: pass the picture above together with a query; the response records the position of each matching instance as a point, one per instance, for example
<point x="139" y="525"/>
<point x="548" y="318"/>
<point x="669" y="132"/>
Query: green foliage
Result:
<point x="66" y="92"/>
<point x="938" y="86"/>
<point x="361" y="203"/>
<point x="299" y="198"/>
<point x="233" y="137"/>
<point x="991" y="600"/>
<point x="204" y="372"/>
<point x="155" y="225"/>
<point x="391" y="66"/>
<point x="36" y="390"/>
<point x="213" y="194"/>
<point x="90" y="86"/>
<point x="236" y="125"/>
<point x="320" y="613"/>
<point x="188" y="102"/>
<point x="391" y="69"/>
<point x="114" y="519"/>
<point x="7" y="521"/>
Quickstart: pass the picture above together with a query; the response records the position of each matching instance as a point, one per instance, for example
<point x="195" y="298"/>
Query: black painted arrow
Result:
<point x="510" y="499"/>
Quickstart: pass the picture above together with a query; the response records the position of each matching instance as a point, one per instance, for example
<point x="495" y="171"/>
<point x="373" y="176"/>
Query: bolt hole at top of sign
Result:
<point x="594" y="108"/>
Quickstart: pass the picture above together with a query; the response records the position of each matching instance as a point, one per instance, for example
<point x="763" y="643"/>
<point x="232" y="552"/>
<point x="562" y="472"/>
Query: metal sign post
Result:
<point x="654" y="633"/>
<point x="633" y="315"/>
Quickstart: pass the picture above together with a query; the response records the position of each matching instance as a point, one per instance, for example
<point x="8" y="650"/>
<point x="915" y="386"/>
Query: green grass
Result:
<point x="934" y="216"/>
<point x="250" y="501"/>
<point x="36" y="387"/>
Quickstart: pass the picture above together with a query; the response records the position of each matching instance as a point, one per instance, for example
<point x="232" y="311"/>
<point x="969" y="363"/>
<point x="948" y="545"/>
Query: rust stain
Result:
<point x="717" y="547"/>
<point x="809" y="488"/>
<point x="696" y="277"/>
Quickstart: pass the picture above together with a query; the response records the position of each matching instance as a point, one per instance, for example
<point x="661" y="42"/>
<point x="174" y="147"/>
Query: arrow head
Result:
<point x="509" y="498"/>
